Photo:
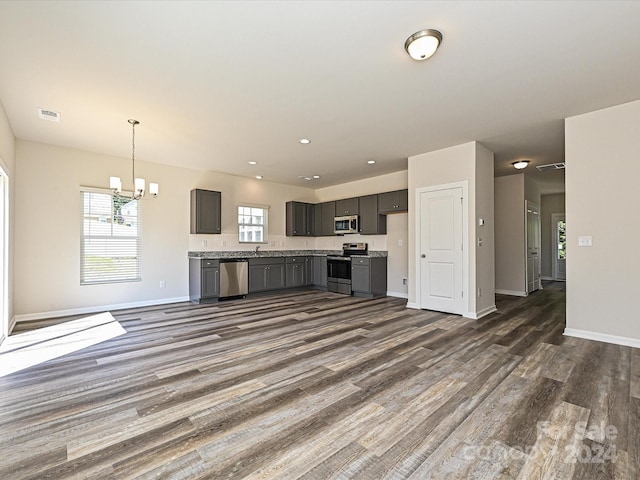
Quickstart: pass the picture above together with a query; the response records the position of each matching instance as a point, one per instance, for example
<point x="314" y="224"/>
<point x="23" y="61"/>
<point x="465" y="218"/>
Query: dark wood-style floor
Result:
<point x="318" y="385"/>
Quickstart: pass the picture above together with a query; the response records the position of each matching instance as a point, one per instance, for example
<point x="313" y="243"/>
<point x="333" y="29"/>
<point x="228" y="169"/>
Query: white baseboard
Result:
<point x="547" y="278"/>
<point x="515" y="293"/>
<point x="398" y="295"/>
<point x="481" y="313"/>
<point x="101" y="308"/>
<point x="413" y="305"/>
<point x="603" y="337"/>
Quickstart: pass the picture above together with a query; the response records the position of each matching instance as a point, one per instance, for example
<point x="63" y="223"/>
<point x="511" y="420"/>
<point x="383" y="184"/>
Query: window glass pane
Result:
<point x="252" y="224"/>
<point x="110" y="239"/>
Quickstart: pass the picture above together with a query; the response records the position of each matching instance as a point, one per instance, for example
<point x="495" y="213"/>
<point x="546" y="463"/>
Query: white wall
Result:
<point x="510" y="249"/>
<point x="7" y="161"/>
<point x="549" y="204"/>
<point x="468" y="162"/>
<point x="602" y="172"/>
<point x="47" y="227"/>
<point x="398" y="254"/>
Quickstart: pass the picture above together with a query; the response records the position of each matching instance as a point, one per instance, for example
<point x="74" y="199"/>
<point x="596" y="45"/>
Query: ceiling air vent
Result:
<point x="49" y="115"/>
<point x="551" y="166"/>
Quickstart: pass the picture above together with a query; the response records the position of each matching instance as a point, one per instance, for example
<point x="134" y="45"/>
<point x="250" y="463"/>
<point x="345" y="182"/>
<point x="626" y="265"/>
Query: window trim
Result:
<point x="138" y="237"/>
<point x="265" y="230"/>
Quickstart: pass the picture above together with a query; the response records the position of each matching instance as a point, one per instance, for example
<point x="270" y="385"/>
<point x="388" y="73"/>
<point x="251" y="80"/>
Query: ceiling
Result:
<point x="218" y="84"/>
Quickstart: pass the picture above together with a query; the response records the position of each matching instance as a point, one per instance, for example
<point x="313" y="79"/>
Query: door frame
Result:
<point x="554" y="245"/>
<point x="465" y="240"/>
<point x="527" y="204"/>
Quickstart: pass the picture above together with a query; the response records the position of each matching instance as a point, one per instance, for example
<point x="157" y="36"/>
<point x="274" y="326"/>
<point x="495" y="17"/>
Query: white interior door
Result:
<point x="559" y="243"/>
<point x="441" y="286"/>
<point x="533" y="246"/>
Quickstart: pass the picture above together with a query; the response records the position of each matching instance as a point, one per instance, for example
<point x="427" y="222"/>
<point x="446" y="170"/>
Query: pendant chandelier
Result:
<point x="138" y="183"/>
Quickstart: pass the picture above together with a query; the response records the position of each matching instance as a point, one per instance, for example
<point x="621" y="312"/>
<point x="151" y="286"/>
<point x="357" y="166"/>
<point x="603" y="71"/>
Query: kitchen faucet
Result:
<point x="257" y="248"/>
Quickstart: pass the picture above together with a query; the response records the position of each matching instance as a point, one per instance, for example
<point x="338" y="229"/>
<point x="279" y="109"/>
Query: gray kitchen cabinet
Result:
<point x="204" y="279"/>
<point x="205" y="211"/>
<point x="328" y="212"/>
<point x="369" y="276"/>
<point x="296" y="271"/>
<point x="308" y="270"/>
<point x="320" y="271"/>
<point x="266" y="274"/>
<point x="299" y="219"/>
<point x="348" y="206"/>
<point x="391" y="202"/>
<point x="371" y="222"/>
<point x="317" y="220"/>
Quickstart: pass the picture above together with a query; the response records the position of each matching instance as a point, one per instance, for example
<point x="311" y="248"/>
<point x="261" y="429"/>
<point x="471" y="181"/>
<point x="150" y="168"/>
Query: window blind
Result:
<point x="110" y="239"/>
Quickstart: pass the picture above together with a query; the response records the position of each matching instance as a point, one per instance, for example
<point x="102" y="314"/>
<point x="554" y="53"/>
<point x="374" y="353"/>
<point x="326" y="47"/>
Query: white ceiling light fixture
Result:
<point x="253" y="163"/>
<point x="316" y="176"/>
<point x="138" y="183"/>
<point x="305" y="141"/>
<point x="259" y="177"/>
<point x="371" y="162"/>
<point x="423" y="44"/>
<point x="520" y="164"/>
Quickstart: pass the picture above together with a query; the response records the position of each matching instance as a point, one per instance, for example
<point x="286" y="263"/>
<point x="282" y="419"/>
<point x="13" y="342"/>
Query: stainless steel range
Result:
<point x="339" y="267"/>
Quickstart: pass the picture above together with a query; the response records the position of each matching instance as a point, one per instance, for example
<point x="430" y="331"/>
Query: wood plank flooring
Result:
<point x="317" y="385"/>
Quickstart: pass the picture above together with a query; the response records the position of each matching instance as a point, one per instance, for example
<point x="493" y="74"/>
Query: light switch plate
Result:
<point x="585" y="241"/>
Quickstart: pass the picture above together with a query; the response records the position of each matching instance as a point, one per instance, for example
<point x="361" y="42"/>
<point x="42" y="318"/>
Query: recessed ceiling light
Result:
<point x="423" y="44"/>
<point x="259" y="177"/>
<point x="305" y="141"/>
<point x="520" y="164"/>
<point x="253" y="163"/>
<point x="371" y="162"/>
<point x="316" y="176"/>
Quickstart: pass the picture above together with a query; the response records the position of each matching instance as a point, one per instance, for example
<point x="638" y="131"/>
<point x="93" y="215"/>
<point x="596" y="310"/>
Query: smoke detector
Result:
<point x="49" y="115"/>
<point x="551" y="166"/>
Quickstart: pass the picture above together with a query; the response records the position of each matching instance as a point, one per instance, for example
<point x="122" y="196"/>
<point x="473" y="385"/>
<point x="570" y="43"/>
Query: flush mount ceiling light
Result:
<point x="520" y="164"/>
<point x="316" y="176"/>
<point x="371" y="162"/>
<point x="253" y="163"/>
<point x="138" y="183"/>
<point x="305" y="141"/>
<point x="259" y="177"/>
<point x="423" y="44"/>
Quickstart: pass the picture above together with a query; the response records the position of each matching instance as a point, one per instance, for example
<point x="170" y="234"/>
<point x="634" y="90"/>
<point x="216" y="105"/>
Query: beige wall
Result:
<point x="549" y="204"/>
<point x="510" y="251"/>
<point x="602" y="172"/>
<point x="367" y="186"/>
<point x="398" y="254"/>
<point x="485" y="252"/>
<point x="7" y="161"/>
<point x="468" y="162"/>
<point x="47" y="258"/>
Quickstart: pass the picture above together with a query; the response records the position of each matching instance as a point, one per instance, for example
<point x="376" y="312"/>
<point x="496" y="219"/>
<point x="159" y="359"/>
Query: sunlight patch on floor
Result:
<point x="31" y="348"/>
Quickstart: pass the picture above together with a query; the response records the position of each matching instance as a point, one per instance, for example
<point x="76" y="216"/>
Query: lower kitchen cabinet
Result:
<point x="320" y="271"/>
<point x="369" y="276"/>
<point x="266" y="274"/>
<point x="295" y="272"/>
<point x="204" y="279"/>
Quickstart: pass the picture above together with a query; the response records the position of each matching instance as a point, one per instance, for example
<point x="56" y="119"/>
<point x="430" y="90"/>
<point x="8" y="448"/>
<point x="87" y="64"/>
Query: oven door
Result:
<point x="339" y="275"/>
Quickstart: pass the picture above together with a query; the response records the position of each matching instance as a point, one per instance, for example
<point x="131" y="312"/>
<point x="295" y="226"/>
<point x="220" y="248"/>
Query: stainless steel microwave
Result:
<point x="347" y="224"/>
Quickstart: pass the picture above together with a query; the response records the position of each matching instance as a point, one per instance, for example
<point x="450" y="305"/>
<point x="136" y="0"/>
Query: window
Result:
<point x="252" y="224"/>
<point x="110" y="240"/>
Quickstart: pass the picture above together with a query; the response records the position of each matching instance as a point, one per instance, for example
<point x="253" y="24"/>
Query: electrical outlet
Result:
<point x="163" y="284"/>
<point x="405" y="281"/>
<point x="282" y="243"/>
<point x="479" y="292"/>
<point x="273" y="243"/>
<point x="224" y="243"/>
<point x="204" y="243"/>
<point x="400" y="243"/>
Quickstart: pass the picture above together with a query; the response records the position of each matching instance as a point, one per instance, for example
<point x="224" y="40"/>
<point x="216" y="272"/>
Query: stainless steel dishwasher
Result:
<point x="234" y="277"/>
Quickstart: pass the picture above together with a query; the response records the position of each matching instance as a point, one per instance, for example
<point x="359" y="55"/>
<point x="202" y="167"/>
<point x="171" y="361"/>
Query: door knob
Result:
<point x="423" y="256"/>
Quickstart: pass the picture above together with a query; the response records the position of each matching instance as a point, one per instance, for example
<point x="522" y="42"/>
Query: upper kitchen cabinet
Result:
<point x="205" y="211"/>
<point x="391" y="202"/>
<point x="348" y="206"/>
<point x="371" y="222"/>
<point x="327" y="223"/>
<point x="300" y="219"/>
